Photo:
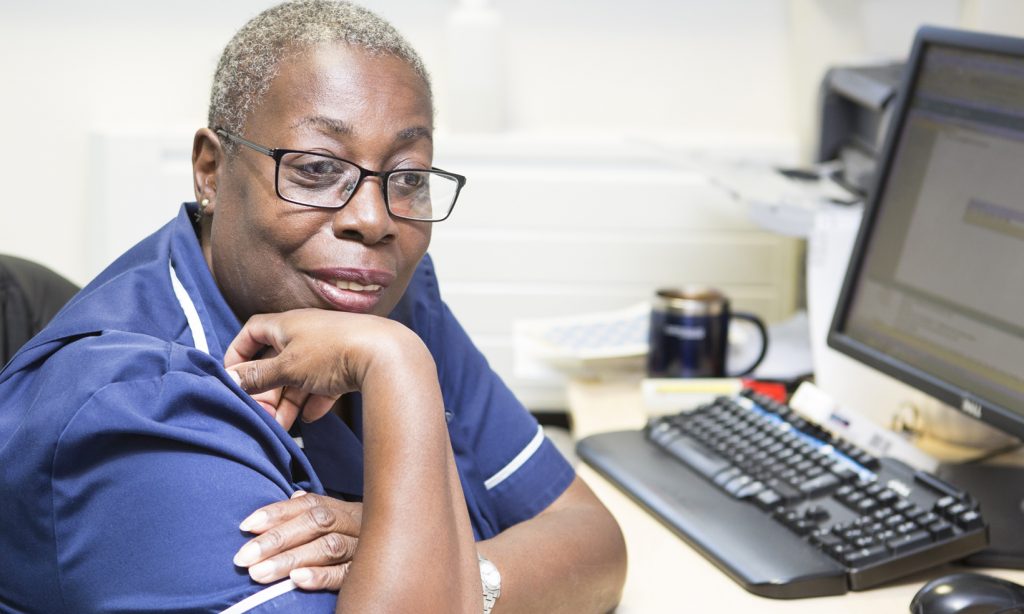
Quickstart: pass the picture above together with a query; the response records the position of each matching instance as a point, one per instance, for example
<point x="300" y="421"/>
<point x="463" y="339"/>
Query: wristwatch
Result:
<point x="491" y="581"/>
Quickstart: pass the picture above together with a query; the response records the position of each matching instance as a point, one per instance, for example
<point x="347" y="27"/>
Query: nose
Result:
<point x="365" y="217"/>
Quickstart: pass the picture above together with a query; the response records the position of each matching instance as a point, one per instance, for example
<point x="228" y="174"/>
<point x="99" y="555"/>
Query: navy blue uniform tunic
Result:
<point x="128" y="456"/>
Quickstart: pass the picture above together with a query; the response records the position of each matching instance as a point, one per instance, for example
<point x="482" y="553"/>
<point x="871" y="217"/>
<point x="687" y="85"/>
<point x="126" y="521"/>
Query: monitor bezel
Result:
<point x="968" y="403"/>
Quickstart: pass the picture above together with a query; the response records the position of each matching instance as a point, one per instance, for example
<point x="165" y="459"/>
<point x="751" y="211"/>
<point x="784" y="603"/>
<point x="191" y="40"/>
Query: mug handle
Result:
<point x="756" y="321"/>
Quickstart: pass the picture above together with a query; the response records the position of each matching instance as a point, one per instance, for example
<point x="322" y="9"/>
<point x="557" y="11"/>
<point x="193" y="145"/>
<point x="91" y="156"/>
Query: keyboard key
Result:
<point x="819" y="485"/>
<point x="970" y="520"/>
<point x="724" y="477"/>
<point x="750" y="490"/>
<point x="887" y="497"/>
<point x="910" y="541"/>
<point x="940" y="529"/>
<point x="734" y="485"/>
<point x="905" y="528"/>
<point x="816" y="513"/>
<point x="787" y="492"/>
<point x="894" y="521"/>
<point x="866" y="505"/>
<point x="696" y="456"/>
<point x="825" y="540"/>
<point x="865" y="556"/>
<point x="954" y="511"/>
<point x="843" y="471"/>
<point x="944" y="503"/>
<point x="906" y="508"/>
<point x="804" y="526"/>
<point x="767" y="499"/>
<point x="815" y="471"/>
<point x="852" y="499"/>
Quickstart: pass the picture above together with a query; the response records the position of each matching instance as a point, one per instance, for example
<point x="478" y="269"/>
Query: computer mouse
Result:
<point x="969" y="593"/>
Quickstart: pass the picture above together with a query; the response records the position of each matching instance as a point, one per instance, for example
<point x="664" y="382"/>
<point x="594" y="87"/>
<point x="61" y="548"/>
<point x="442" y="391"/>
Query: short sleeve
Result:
<point x="150" y="481"/>
<point x="510" y="470"/>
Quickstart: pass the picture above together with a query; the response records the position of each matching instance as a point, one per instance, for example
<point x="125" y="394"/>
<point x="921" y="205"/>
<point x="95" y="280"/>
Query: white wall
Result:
<point x="730" y="70"/>
<point x="72" y="68"/>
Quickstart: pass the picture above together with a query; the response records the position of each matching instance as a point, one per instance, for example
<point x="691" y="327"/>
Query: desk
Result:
<point x="666" y="575"/>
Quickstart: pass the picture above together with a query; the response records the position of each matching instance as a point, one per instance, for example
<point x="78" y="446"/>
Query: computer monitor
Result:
<point x="934" y="292"/>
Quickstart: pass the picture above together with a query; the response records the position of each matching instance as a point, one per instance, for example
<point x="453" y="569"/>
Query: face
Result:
<point x="269" y="255"/>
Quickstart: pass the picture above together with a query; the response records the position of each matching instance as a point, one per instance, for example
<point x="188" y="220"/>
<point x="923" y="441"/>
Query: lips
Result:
<point x="350" y="289"/>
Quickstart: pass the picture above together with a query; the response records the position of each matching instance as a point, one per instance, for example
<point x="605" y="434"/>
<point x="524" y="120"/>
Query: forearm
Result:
<point x="571" y="558"/>
<point x="416" y="550"/>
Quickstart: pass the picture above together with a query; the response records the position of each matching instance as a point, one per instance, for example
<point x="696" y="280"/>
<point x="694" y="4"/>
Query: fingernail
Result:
<point x="301" y="576"/>
<point x="298" y="493"/>
<point x="235" y="378"/>
<point x="247" y="555"/>
<point x="254" y="521"/>
<point x="263" y="571"/>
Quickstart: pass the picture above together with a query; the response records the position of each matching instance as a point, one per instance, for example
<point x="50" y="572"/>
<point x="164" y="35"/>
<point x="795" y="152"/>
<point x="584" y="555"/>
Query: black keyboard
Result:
<point x="780" y="505"/>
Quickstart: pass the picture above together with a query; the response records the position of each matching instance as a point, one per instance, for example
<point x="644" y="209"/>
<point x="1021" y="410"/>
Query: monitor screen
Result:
<point x="934" y="294"/>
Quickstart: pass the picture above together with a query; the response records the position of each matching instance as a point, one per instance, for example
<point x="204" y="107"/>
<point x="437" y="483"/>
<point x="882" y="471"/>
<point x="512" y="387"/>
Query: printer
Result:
<point x="855" y="104"/>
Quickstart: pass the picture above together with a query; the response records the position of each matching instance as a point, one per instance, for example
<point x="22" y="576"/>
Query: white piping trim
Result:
<point x="191" y="314"/>
<point x="516" y="462"/>
<point x="254" y="601"/>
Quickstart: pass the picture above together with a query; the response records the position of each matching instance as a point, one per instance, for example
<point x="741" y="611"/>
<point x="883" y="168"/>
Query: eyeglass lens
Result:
<point x="321" y="181"/>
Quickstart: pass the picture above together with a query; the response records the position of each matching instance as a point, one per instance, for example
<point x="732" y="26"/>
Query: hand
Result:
<point x="283" y="404"/>
<point x="309" y="538"/>
<point x="310" y="357"/>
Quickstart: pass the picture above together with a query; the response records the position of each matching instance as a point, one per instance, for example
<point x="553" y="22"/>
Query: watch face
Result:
<point x="489" y="574"/>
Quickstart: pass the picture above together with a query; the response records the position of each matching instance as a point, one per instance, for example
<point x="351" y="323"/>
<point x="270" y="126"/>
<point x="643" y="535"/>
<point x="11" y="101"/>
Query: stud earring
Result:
<point x="203" y="204"/>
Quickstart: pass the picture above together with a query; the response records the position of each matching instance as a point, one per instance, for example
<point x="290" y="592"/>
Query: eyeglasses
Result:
<point x="326" y="182"/>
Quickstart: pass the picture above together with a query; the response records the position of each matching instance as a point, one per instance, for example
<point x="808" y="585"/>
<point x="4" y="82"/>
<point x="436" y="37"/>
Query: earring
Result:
<point x="201" y="211"/>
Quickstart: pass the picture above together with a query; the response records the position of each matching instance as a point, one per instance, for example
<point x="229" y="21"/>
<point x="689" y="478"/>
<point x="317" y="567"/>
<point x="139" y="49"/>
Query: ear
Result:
<point x="207" y="160"/>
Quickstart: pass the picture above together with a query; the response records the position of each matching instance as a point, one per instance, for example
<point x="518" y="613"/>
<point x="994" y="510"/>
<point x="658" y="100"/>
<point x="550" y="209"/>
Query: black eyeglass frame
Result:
<point x="277" y="154"/>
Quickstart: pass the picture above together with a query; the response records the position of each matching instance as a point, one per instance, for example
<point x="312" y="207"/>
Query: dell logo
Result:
<point x="971" y="408"/>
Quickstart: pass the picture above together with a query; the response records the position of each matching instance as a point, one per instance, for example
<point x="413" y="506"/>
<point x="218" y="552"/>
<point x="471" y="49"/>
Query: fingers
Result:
<point x="290" y="406"/>
<point x="316" y="407"/>
<point x="250" y="357"/>
<point x="305" y="531"/>
<point x="260" y="375"/>
<point x="328" y="550"/>
<point x="258" y="333"/>
<point x="320" y="578"/>
<point x="274" y="514"/>
<point x="269" y="400"/>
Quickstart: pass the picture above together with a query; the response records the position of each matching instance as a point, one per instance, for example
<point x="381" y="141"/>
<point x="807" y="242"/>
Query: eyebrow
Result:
<point x="415" y="132"/>
<point x="325" y="124"/>
<point x="339" y="127"/>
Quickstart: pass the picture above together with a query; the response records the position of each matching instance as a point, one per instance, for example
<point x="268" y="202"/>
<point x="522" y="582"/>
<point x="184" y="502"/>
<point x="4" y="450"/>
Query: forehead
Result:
<point x="355" y="89"/>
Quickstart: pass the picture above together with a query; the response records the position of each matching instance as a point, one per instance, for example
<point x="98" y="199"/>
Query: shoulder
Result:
<point x="147" y="447"/>
<point x="119" y="386"/>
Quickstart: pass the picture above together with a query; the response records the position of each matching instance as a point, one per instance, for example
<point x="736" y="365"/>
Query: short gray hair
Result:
<point x="249" y="62"/>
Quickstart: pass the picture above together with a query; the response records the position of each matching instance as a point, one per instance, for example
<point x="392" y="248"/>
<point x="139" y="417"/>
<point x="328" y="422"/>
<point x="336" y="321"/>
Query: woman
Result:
<point x="132" y="453"/>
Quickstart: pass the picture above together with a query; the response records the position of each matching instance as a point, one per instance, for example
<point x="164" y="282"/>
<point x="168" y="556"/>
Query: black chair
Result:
<point x="30" y="295"/>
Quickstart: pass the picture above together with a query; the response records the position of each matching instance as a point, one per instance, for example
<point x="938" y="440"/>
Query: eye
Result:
<point x="409" y="180"/>
<point x="310" y="171"/>
<point x="320" y="167"/>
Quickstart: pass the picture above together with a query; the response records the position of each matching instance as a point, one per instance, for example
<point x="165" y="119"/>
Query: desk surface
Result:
<point x="665" y="574"/>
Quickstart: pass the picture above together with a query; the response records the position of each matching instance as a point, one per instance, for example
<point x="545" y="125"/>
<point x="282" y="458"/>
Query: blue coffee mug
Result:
<point x="689" y="334"/>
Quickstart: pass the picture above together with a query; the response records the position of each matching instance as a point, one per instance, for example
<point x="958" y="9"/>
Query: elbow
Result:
<point x="617" y="565"/>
